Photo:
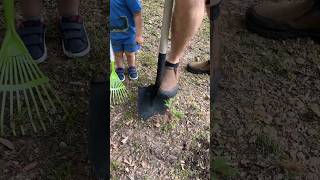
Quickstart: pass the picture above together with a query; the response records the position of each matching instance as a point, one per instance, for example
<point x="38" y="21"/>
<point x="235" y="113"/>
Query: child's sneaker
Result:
<point x="32" y="33"/>
<point x="133" y="73"/>
<point x="75" y="41"/>
<point x="120" y="72"/>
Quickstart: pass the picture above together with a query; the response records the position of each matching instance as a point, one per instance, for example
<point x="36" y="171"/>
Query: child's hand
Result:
<point x="139" y="40"/>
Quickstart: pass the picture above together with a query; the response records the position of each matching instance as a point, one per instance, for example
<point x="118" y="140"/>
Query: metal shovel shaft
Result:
<point x="166" y="22"/>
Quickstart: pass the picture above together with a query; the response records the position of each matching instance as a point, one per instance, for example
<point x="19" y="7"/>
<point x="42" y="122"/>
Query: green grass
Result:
<point x="180" y="173"/>
<point x="148" y="58"/>
<point x="176" y="116"/>
<point x="176" y="113"/>
<point x="61" y="172"/>
<point x="199" y="136"/>
<point x="221" y="168"/>
<point x="115" y="166"/>
<point x="267" y="145"/>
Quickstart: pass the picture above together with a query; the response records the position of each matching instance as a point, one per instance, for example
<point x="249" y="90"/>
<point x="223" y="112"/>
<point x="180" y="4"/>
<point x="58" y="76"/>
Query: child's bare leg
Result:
<point x="119" y="65"/>
<point x="32" y="30"/>
<point x="73" y="31"/>
<point x="69" y="7"/>
<point x="131" y="58"/>
<point x="31" y="8"/>
<point x="119" y="59"/>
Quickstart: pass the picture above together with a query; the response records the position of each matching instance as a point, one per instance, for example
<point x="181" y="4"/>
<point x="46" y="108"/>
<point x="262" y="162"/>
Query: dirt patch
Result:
<point x="266" y="122"/>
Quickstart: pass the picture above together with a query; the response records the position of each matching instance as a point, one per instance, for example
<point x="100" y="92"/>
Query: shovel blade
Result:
<point x="149" y="104"/>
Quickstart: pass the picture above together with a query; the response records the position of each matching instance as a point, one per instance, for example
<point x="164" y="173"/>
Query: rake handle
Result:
<point x="9" y="13"/>
<point x="112" y="57"/>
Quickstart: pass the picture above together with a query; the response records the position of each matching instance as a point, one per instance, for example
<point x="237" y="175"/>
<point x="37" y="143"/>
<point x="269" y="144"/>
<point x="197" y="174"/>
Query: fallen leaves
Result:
<point x="30" y="166"/>
<point x="294" y="166"/>
<point x="182" y="164"/>
<point x="124" y="140"/>
<point x="144" y="164"/>
<point x="157" y="125"/>
<point x="7" y="143"/>
<point x="315" y="109"/>
<point x="129" y="162"/>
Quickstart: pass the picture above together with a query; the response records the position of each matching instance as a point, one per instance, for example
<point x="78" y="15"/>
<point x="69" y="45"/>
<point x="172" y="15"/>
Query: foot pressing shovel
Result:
<point x="149" y="104"/>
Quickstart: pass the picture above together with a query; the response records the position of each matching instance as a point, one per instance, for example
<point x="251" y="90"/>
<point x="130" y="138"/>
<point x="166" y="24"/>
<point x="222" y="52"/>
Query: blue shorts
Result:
<point x="119" y="46"/>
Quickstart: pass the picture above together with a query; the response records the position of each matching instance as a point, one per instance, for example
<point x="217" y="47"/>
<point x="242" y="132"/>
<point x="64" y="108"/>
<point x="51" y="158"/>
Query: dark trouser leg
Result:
<point x="204" y="67"/>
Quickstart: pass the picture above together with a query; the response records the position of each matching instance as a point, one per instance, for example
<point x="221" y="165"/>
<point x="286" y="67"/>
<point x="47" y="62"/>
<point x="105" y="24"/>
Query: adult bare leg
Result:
<point x="187" y="18"/>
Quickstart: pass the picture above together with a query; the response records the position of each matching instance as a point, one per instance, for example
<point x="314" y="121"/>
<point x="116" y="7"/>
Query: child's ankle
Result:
<point x="70" y="13"/>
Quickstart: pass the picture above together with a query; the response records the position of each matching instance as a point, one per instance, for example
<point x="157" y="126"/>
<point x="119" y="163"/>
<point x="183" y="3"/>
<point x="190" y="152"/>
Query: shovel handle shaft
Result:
<point x="9" y="13"/>
<point x="166" y="22"/>
<point x="215" y="55"/>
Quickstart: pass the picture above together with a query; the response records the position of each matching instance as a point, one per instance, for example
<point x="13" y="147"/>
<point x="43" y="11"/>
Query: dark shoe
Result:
<point x="133" y="73"/>
<point x="120" y="73"/>
<point x="167" y="94"/>
<point x="32" y="33"/>
<point x="75" y="41"/>
<point x="199" y="67"/>
<point x="285" y="19"/>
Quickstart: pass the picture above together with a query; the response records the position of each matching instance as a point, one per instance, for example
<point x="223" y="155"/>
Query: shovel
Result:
<point x="98" y="128"/>
<point x="149" y="104"/>
<point x="215" y="56"/>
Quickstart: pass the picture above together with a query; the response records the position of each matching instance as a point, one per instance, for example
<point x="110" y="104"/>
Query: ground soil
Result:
<point x="266" y="122"/>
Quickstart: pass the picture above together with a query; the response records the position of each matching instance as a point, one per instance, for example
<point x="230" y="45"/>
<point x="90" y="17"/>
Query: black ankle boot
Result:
<point x="172" y="93"/>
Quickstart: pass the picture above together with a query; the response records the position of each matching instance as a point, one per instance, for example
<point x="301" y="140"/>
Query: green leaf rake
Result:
<point x="24" y="90"/>
<point x="118" y="92"/>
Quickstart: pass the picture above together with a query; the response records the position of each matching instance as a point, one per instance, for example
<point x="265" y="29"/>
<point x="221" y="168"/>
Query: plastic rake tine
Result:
<point x="39" y="74"/>
<point x="24" y="79"/>
<point x="3" y="81"/>
<point x="33" y="96"/>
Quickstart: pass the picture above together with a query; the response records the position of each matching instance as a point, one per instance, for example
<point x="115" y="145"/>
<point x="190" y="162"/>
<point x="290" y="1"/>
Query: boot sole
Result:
<point x="280" y="34"/>
<point x="45" y="54"/>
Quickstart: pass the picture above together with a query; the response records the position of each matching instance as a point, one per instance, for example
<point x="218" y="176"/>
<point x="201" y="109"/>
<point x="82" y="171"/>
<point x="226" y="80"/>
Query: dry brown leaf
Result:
<point x="157" y="125"/>
<point x="294" y="166"/>
<point x="30" y="166"/>
<point x="127" y="170"/>
<point x="144" y="164"/>
<point x="7" y="143"/>
<point x="124" y="140"/>
<point x="315" y="109"/>
<point x="126" y="161"/>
